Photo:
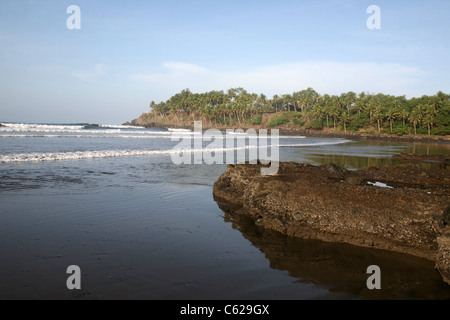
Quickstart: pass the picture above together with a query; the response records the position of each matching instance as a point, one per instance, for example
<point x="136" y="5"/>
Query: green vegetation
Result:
<point x="276" y="122"/>
<point x="368" y="113"/>
<point x="256" y="120"/>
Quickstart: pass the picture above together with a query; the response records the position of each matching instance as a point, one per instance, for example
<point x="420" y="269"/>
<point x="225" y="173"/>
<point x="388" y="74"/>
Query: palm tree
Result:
<point x="428" y="121"/>
<point x="300" y="99"/>
<point x="378" y="116"/>
<point x="345" y="118"/>
<point x="391" y="114"/>
<point x="370" y="107"/>
<point x="348" y="100"/>
<point x="276" y="98"/>
<point x="324" y="103"/>
<point x="360" y="102"/>
<point x="335" y="114"/>
<point x="414" y="118"/>
<point x="262" y="100"/>
<point x="328" y="109"/>
<point x="404" y="113"/>
<point x="308" y="98"/>
<point x="318" y="112"/>
<point x="287" y="98"/>
<point x="428" y="117"/>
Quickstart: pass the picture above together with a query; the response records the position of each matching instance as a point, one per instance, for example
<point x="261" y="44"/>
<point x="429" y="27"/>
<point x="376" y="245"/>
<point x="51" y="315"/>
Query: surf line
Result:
<point x="233" y="143"/>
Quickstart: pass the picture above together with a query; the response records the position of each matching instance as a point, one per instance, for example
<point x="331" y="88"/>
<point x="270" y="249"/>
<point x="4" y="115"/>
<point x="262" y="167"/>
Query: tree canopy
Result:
<point x="381" y="113"/>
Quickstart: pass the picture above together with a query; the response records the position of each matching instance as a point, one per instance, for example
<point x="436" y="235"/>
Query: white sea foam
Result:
<point x="179" y="130"/>
<point x="80" y="155"/>
<point x="25" y="130"/>
<point x="121" y="126"/>
<point x="25" y="127"/>
<point x="115" y="134"/>
<point x="20" y="127"/>
<point x="78" y="131"/>
<point x="76" y="128"/>
<point x="316" y="144"/>
<point x="91" y="136"/>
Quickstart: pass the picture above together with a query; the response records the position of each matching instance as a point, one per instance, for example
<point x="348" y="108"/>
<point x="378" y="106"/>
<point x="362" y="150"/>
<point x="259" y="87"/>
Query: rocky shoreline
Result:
<point x="402" y="209"/>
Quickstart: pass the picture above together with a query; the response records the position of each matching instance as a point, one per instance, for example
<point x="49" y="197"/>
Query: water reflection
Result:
<point x="341" y="267"/>
<point x="352" y="162"/>
<point x="363" y="154"/>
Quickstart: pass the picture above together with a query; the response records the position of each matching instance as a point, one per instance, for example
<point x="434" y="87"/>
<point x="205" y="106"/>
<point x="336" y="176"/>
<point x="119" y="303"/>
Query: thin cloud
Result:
<point x="92" y="76"/>
<point x="324" y="76"/>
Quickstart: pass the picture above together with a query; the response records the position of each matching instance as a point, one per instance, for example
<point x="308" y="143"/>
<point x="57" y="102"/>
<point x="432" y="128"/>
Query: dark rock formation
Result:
<point x="443" y="257"/>
<point x="402" y="209"/>
<point x="342" y="267"/>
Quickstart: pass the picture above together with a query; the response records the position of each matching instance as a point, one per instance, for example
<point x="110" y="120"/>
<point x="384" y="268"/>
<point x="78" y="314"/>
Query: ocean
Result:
<point x="110" y="200"/>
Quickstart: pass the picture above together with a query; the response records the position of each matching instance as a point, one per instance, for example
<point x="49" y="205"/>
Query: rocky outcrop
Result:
<point x="341" y="268"/>
<point x="443" y="257"/>
<point x="402" y="209"/>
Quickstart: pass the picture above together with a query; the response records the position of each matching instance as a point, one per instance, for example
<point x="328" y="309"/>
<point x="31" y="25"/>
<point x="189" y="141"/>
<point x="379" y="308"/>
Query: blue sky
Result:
<point x="128" y="53"/>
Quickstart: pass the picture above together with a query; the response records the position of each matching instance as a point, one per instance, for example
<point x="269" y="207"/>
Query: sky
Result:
<point x="128" y="53"/>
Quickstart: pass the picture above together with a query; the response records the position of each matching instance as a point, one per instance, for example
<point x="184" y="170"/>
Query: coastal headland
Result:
<point x="307" y="112"/>
<point x="290" y="130"/>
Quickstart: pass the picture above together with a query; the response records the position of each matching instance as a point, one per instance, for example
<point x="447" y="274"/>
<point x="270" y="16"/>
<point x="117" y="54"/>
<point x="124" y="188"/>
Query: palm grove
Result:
<point x="307" y="109"/>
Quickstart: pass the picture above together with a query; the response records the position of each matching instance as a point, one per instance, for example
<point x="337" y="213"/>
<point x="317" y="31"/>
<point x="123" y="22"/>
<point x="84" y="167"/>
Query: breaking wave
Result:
<point x="81" y="155"/>
<point x="178" y="130"/>
<point x="68" y="128"/>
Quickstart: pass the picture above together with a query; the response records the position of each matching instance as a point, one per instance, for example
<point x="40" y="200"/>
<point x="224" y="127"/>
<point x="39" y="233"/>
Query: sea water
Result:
<point x="109" y="199"/>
